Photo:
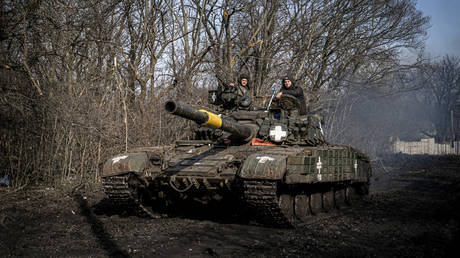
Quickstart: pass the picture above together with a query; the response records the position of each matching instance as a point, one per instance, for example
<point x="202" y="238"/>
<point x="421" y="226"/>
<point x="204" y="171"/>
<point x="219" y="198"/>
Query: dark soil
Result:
<point x="413" y="210"/>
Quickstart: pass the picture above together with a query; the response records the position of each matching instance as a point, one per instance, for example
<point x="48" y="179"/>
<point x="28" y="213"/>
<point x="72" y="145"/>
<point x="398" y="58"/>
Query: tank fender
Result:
<point x="263" y="166"/>
<point x="124" y="163"/>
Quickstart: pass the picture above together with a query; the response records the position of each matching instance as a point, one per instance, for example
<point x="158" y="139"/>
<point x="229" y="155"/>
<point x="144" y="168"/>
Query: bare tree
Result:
<point x="261" y="58"/>
<point x="86" y="79"/>
<point x="236" y="30"/>
<point x="442" y="92"/>
<point x="335" y="39"/>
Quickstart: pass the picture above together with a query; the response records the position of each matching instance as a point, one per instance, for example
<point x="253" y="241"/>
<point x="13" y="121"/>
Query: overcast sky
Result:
<point x="444" y="34"/>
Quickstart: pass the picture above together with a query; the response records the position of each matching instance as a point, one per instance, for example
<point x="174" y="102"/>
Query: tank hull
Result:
<point x="281" y="185"/>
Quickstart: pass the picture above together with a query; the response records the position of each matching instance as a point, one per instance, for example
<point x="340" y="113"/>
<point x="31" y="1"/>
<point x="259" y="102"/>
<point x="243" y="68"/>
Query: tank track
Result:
<point x="261" y="197"/>
<point x="270" y="209"/>
<point x="121" y="194"/>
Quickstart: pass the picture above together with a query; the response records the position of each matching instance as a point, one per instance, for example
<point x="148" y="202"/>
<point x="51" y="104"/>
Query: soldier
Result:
<point x="288" y="87"/>
<point x="234" y="96"/>
<point x="243" y="91"/>
<point x="243" y="85"/>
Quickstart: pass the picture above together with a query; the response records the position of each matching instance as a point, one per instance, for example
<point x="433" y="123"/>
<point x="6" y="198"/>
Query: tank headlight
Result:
<point x="278" y="133"/>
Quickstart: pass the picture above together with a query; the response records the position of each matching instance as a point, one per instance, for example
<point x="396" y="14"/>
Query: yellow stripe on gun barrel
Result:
<point x="214" y="121"/>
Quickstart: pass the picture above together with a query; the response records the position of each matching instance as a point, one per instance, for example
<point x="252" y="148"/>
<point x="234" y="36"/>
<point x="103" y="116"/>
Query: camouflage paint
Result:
<point x="124" y="163"/>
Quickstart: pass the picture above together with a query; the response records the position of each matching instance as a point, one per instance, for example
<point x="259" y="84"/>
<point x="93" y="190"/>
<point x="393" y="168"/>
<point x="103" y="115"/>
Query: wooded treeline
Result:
<point x="84" y="80"/>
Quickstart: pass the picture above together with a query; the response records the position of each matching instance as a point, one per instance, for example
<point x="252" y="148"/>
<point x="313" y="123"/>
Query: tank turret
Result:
<point x="280" y="124"/>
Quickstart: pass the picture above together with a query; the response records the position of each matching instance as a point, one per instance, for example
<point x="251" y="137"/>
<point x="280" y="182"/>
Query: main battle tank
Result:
<point x="273" y="161"/>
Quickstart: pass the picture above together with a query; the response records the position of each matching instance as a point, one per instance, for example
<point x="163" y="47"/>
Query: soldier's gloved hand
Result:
<point x="278" y="95"/>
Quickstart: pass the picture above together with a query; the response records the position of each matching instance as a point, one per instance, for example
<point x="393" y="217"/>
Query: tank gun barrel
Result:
<point x="211" y="120"/>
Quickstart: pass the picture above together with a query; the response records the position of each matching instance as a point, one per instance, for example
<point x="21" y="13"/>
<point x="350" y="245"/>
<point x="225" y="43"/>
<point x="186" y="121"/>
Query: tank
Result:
<point x="269" y="160"/>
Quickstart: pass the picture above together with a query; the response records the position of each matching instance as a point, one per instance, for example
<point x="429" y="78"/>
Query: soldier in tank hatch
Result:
<point x="242" y="90"/>
<point x="288" y="87"/>
<point x="243" y="85"/>
<point x="235" y="95"/>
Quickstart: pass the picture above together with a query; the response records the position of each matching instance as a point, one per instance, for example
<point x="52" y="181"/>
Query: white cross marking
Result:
<point x="278" y="133"/>
<point x="319" y="165"/>
<point x="213" y="97"/>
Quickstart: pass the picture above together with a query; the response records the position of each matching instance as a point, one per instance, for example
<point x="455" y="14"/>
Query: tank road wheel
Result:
<point x="286" y="204"/>
<point x="141" y="197"/>
<point x="340" y="198"/>
<point x="362" y="189"/>
<point x="302" y="206"/>
<point x="268" y="206"/>
<point x="350" y="195"/>
<point x="328" y="201"/>
<point x="315" y="203"/>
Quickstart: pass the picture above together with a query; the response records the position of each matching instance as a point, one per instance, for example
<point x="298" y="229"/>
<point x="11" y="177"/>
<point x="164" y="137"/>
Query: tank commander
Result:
<point x="235" y="95"/>
<point x="242" y="88"/>
<point x="288" y="87"/>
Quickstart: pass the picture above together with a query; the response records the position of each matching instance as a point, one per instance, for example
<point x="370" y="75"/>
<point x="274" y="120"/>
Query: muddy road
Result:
<point x="413" y="210"/>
